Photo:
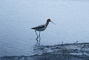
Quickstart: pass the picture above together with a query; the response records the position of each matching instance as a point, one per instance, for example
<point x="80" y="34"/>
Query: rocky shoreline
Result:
<point x="73" y="51"/>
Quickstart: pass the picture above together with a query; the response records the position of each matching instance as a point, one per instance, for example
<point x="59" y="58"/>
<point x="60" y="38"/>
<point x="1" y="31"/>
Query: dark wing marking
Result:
<point x="38" y="27"/>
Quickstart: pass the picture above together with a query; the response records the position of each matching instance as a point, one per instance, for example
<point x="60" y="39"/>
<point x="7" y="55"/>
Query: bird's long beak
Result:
<point x="53" y="22"/>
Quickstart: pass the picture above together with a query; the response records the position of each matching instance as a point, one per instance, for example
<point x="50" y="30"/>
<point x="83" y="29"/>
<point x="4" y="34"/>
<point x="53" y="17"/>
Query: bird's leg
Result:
<point x="37" y="36"/>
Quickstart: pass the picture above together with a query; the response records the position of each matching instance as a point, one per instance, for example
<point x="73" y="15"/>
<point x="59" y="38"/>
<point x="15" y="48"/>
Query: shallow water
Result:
<point x="17" y="17"/>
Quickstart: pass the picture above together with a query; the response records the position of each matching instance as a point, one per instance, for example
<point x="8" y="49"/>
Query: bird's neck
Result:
<point x="46" y="23"/>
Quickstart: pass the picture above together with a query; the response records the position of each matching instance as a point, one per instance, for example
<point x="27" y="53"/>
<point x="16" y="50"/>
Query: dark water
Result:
<point x="79" y="51"/>
<point x="46" y="57"/>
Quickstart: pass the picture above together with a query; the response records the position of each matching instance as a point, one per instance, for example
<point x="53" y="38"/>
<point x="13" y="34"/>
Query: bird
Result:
<point x="41" y="28"/>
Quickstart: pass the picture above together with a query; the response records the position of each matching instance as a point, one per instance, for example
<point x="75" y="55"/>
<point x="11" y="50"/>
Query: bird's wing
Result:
<point x="38" y="27"/>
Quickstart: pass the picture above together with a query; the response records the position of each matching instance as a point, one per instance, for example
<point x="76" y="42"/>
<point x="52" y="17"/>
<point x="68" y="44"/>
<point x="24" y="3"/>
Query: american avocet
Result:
<point x="41" y="28"/>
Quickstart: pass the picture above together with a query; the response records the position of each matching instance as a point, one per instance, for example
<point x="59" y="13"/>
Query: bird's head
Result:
<point x="49" y="20"/>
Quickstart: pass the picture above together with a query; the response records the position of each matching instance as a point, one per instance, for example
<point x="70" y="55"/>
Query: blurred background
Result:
<point x="17" y="17"/>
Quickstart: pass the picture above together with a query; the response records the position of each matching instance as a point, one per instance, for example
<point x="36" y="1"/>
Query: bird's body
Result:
<point x="41" y="28"/>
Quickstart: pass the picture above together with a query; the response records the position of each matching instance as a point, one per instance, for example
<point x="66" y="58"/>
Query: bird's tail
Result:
<point x="32" y="28"/>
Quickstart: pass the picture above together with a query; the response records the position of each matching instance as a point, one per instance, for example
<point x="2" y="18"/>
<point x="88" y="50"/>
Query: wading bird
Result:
<point x="41" y="28"/>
